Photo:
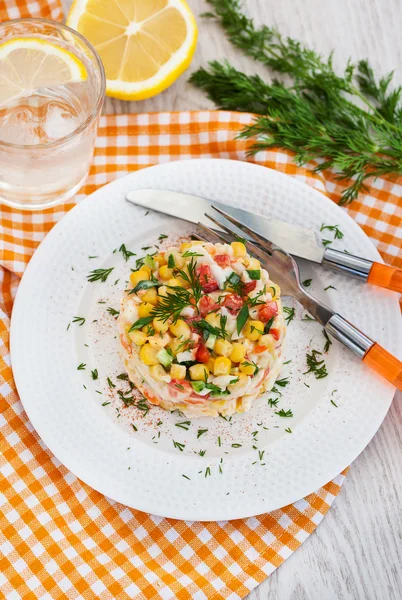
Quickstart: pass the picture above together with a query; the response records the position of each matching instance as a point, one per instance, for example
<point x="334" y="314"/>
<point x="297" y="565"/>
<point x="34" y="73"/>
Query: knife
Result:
<point x="297" y="241"/>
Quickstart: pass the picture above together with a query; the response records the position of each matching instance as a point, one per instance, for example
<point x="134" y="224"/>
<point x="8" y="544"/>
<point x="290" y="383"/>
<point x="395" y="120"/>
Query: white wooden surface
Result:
<point x="356" y="553"/>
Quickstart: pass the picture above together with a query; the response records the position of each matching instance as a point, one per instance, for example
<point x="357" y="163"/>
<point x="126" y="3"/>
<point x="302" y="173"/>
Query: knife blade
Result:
<point x="297" y="241"/>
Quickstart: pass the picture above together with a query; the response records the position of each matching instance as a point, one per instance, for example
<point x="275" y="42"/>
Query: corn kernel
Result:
<point x="238" y="352"/>
<point x="210" y="364"/>
<point x="146" y="269"/>
<point x="234" y="371"/>
<point x="181" y="282"/>
<point x="160" y="260"/>
<point x="145" y="309"/>
<point x="174" y="282"/>
<point x="254" y="264"/>
<point x="199" y="372"/>
<point x="213" y="319"/>
<point x="253" y="330"/>
<point x="222" y="365"/>
<point x="185" y="246"/>
<point x="239" y="249"/>
<point x="196" y="243"/>
<point x="177" y="345"/>
<point x="159" y="325"/>
<point x="162" y="291"/>
<point x="178" y="372"/>
<point x="180" y="329"/>
<point x="138" y="337"/>
<point x="178" y="260"/>
<point x="165" y="273"/>
<point x="247" y="368"/>
<point x="222" y="347"/>
<point x="160" y="340"/>
<point x="137" y="276"/>
<point x="267" y="340"/>
<point x="273" y="287"/>
<point x="148" y="355"/>
<point x="157" y="372"/>
<point x="150" y="296"/>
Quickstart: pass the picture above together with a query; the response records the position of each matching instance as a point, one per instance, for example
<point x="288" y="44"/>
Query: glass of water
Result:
<point x="52" y="87"/>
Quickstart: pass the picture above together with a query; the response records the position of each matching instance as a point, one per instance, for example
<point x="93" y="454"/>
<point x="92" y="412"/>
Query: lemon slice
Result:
<point x="144" y="44"/>
<point x="27" y="64"/>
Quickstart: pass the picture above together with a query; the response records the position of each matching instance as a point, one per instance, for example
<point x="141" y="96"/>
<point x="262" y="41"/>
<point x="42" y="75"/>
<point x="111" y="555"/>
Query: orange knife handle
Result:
<point x="386" y="277"/>
<point x="383" y="363"/>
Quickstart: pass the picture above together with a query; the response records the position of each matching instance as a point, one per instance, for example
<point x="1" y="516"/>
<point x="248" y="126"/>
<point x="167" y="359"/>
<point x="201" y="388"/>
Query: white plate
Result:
<point x="143" y="469"/>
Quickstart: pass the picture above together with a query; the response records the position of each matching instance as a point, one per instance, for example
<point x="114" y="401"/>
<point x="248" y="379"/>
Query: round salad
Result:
<point x="201" y="329"/>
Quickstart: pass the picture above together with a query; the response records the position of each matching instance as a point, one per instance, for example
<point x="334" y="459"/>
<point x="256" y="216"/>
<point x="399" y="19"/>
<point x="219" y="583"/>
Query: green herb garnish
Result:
<point x="162" y="237"/>
<point x="328" y="342"/>
<point x="140" y="323"/>
<point x="329" y="287"/>
<point x="307" y="282"/>
<point x="290" y="312"/>
<point x="126" y="253"/>
<point x="284" y="413"/>
<point x="254" y="274"/>
<point x="315" y="365"/>
<point x="171" y="264"/>
<point x="201" y="432"/>
<point x="179" y="446"/>
<point x="338" y="235"/>
<point x="94" y="374"/>
<point x="351" y="122"/>
<point x="99" y="275"/>
<point x="184" y="425"/>
<point x="242" y="318"/>
<point x="113" y="312"/>
<point x="144" y="285"/>
<point x="81" y="367"/>
<point x="79" y="320"/>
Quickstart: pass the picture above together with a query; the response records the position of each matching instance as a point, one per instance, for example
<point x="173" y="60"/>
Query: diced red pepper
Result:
<point x="202" y="354"/>
<point x="233" y="303"/>
<point x="223" y="260"/>
<point x="267" y="311"/>
<point x="249" y="287"/>
<point x="259" y="349"/>
<point x="208" y="282"/>
<point x="207" y="305"/>
<point x="275" y="333"/>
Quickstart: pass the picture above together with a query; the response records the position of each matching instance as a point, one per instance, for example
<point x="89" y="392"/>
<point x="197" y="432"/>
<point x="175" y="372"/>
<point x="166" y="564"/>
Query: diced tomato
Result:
<point x="208" y="282"/>
<point x="259" y="349"/>
<point x="275" y="333"/>
<point x="207" y="305"/>
<point x="223" y="260"/>
<point x="233" y="303"/>
<point x="267" y="311"/>
<point x="249" y="287"/>
<point x="202" y="354"/>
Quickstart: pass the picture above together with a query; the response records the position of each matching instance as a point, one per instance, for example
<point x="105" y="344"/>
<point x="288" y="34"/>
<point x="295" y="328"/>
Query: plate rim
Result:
<point x="71" y="215"/>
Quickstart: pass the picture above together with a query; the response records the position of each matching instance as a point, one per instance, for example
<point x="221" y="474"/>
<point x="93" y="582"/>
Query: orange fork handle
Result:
<point x="383" y="363"/>
<point x="386" y="276"/>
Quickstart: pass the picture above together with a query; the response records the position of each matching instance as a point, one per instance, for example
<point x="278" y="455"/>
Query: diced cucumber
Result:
<point x="198" y="386"/>
<point x="210" y="343"/>
<point x="164" y="357"/>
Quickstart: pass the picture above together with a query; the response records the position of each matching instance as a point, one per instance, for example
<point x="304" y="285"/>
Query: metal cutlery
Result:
<point x="283" y="268"/>
<point x="297" y="241"/>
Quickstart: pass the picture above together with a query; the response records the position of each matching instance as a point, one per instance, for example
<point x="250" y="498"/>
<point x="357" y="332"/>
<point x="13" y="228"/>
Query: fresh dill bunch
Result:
<point x="316" y="116"/>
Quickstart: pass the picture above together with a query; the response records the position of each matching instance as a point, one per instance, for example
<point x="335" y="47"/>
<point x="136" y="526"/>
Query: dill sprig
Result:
<point x="315" y="365"/>
<point x="315" y="115"/>
<point x="99" y="274"/>
<point x="177" y="298"/>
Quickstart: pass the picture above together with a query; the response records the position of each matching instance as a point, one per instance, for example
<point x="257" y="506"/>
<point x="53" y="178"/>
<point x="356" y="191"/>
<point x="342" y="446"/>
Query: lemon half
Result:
<point x="27" y="64"/>
<point x="145" y="45"/>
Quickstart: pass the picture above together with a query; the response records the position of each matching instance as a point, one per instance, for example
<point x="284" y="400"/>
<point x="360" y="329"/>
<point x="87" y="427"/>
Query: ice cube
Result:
<point x="58" y="122"/>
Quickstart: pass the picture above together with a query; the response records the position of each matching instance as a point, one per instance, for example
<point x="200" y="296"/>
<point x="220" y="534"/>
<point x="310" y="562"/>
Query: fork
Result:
<point x="285" y="270"/>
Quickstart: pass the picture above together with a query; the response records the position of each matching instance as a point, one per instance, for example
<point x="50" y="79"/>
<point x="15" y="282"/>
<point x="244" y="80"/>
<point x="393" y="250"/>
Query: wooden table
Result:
<point x="356" y="553"/>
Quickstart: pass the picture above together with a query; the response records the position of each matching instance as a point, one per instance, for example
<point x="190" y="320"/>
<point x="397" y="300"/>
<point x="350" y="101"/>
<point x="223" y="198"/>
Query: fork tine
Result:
<point x="217" y="236"/>
<point x="269" y="246"/>
<point x="261" y="254"/>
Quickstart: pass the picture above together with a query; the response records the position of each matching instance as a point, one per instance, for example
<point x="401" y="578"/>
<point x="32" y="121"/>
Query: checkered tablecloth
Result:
<point x="58" y="537"/>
